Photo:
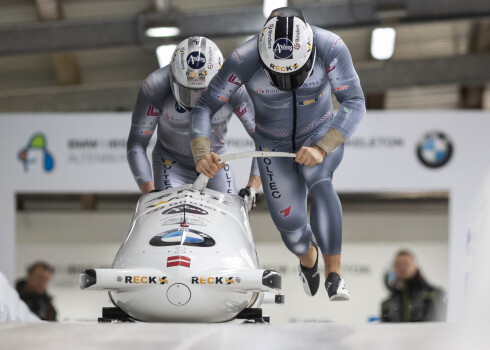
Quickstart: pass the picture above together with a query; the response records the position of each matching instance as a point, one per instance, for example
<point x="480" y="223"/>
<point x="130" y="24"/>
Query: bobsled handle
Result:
<point x="202" y="180"/>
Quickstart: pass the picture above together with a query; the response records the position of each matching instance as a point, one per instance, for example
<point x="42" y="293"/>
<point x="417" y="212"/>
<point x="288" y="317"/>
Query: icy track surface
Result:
<point x="313" y="336"/>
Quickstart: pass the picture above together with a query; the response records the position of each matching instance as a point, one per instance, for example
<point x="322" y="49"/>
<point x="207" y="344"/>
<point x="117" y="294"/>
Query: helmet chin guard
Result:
<point x="287" y="49"/>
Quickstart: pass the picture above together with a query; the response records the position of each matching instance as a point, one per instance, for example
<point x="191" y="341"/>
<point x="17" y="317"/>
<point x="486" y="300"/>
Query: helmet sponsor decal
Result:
<point x="196" y="60"/>
<point x="283" y="48"/>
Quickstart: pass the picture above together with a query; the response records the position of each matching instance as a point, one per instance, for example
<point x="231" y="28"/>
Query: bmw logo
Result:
<point x="187" y="237"/>
<point x="196" y="60"/>
<point x="434" y="150"/>
<point x="283" y="48"/>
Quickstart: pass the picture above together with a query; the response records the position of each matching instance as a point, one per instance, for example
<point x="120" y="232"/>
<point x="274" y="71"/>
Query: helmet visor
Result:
<point x="291" y="81"/>
<point x="186" y="97"/>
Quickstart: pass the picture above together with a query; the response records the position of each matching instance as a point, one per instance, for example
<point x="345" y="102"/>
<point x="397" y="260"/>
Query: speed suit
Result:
<point x="173" y="164"/>
<point x="287" y="120"/>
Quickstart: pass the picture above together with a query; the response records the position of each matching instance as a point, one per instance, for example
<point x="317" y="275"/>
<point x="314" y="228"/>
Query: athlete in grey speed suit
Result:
<point x="295" y="120"/>
<point x="173" y="164"/>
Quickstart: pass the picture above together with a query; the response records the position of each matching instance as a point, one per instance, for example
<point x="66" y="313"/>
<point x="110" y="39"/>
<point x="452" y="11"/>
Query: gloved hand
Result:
<point x="251" y="194"/>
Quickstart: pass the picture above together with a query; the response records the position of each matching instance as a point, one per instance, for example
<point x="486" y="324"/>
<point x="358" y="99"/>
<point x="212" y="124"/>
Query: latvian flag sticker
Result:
<point x="178" y="260"/>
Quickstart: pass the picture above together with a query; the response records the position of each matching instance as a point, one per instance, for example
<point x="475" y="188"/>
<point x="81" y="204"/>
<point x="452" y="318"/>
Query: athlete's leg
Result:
<point x="285" y="193"/>
<point x="223" y="181"/>
<point x="326" y="210"/>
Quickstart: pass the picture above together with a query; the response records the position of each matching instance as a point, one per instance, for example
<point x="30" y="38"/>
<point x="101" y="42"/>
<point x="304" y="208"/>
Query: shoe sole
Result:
<point x="340" y="297"/>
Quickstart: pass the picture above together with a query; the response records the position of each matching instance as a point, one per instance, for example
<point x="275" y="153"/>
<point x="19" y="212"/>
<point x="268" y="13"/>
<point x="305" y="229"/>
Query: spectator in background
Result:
<point x="412" y="298"/>
<point x="33" y="290"/>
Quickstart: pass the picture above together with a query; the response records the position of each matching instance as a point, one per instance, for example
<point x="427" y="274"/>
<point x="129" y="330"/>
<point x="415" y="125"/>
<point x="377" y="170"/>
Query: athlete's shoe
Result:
<point x="310" y="277"/>
<point x="336" y="288"/>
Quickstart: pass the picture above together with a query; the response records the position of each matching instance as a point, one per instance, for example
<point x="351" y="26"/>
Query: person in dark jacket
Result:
<point x="412" y="298"/>
<point x="33" y="290"/>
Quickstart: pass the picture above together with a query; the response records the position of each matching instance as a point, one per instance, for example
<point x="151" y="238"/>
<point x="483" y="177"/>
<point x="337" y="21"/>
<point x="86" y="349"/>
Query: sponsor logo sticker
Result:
<point x="152" y="112"/>
<point x="178" y="260"/>
<point x="37" y="141"/>
<point x="283" y="48"/>
<point x="196" y="60"/>
<point x="234" y="80"/>
<point x="237" y="57"/>
<point x="286" y="212"/>
<point x="187" y="237"/>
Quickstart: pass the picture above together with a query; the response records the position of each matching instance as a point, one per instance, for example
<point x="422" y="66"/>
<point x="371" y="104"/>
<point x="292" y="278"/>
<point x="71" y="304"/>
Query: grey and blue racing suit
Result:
<point x="287" y="120"/>
<point x="173" y="164"/>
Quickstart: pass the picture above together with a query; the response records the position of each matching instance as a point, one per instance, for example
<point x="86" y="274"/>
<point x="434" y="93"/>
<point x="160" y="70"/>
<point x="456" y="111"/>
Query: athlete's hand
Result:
<point x="251" y="194"/>
<point x="310" y="155"/>
<point x="209" y="165"/>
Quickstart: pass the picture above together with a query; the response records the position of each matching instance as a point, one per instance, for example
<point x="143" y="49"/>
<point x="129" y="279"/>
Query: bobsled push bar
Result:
<point x="202" y="180"/>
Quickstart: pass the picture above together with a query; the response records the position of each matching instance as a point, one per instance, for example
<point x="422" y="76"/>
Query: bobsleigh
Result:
<point x="189" y="256"/>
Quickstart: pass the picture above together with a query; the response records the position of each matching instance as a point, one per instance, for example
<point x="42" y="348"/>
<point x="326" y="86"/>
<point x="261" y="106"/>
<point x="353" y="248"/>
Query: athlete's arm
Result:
<point x="244" y="109"/>
<point x="347" y="89"/>
<point x="143" y="123"/>
<point x="236" y="70"/>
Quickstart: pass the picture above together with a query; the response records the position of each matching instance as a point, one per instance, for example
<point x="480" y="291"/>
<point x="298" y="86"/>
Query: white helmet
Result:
<point x="287" y="48"/>
<point x="195" y="61"/>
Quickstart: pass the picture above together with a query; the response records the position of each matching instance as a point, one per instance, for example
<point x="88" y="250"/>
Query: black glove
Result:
<point x="251" y="194"/>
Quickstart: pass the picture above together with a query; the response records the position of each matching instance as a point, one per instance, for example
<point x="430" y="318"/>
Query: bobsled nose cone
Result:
<point x="88" y="278"/>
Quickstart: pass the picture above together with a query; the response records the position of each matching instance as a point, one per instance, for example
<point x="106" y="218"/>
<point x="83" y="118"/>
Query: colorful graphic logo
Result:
<point x="196" y="60"/>
<point x="187" y="237"/>
<point x="283" y="48"/>
<point x="37" y="142"/>
<point x="434" y="150"/>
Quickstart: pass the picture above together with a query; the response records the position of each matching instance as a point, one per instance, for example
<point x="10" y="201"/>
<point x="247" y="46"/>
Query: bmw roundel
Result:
<point x="186" y="237"/>
<point x="434" y="150"/>
<point x="283" y="48"/>
<point x="196" y="60"/>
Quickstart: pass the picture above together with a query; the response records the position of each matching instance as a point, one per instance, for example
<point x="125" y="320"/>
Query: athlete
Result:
<point x="289" y="70"/>
<point x="165" y="99"/>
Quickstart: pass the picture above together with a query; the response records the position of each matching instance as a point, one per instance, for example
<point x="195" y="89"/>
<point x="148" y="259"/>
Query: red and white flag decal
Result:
<point x="178" y="260"/>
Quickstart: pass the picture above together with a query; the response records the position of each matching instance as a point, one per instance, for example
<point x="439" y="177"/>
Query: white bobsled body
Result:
<point x="189" y="256"/>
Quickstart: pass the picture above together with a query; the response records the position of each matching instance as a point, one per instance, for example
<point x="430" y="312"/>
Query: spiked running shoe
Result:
<point x="310" y="277"/>
<point x="336" y="288"/>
